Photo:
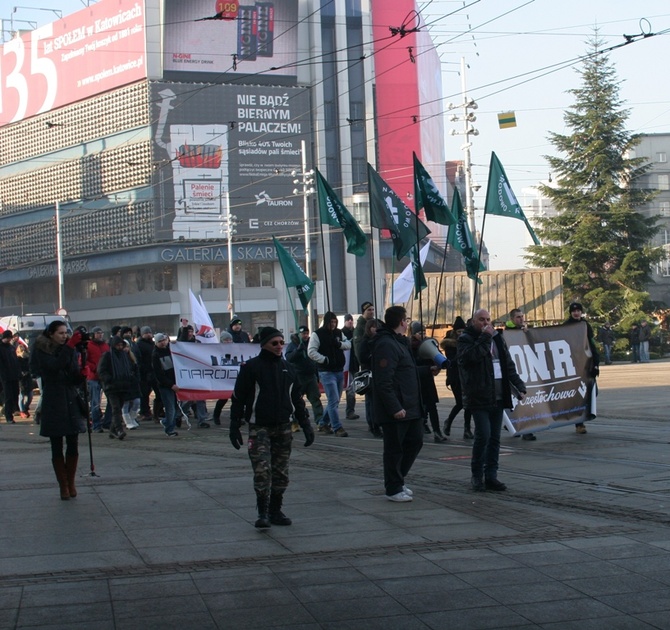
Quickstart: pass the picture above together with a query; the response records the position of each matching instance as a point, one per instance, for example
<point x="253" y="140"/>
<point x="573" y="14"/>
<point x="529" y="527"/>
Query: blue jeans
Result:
<point x="94" y="396"/>
<point x="169" y="399"/>
<point x="644" y="352"/>
<point x="607" y="349"/>
<point x="333" y="383"/>
<point x="486" y="447"/>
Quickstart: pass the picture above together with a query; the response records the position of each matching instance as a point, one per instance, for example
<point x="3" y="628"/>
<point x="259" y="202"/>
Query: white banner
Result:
<point x="208" y="371"/>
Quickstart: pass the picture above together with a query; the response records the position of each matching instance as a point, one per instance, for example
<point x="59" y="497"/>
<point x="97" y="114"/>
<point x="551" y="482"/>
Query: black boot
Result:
<point x="447" y="424"/>
<point x="277" y="517"/>
<point x="438" y="437"/>
<point x="263" y="521"/>
<point x="467" y="433"/>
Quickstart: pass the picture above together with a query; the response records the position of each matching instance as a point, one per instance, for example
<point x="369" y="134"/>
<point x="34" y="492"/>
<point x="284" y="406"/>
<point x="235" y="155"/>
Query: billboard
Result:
<point x="91" y="51"/>
<point x="243" y="39"/>
<point x="220" y="144"/>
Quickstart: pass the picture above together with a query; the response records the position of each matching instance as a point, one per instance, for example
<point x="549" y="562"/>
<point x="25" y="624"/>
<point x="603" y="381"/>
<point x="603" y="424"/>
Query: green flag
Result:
<point x="460" y="238"/>
<point x="333" y="212"/>
<point x="428" y="197"/>
<point x="500" y="199"/>
<point x="388" y="212"/>
<point x="293" y="275"/>
<point x="417" y="270"/>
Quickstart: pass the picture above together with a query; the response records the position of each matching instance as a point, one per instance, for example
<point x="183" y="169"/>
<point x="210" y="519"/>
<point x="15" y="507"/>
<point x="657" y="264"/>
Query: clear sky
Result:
<point x="532" y="36"/>
<point x="504" y="39"/>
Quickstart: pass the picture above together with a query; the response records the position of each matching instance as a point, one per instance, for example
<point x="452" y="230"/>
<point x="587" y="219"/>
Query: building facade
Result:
<point x="146" y="135"/>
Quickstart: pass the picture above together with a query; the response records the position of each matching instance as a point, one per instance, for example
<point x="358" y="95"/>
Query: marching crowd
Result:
<point x="135" y="372"/>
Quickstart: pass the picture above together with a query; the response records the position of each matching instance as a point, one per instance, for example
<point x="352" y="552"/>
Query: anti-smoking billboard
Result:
<point x="219" y="145"/>
<point x="91" y="51"/>
<point x="252" y="39"/>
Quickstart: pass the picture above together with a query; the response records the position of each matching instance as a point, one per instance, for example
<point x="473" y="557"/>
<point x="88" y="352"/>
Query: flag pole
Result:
<point x="325" y="267"/>
<point x="439" y="284"/>
<point x="372" y="267"/>
<point x="416" y="272"/>
<point x="479" y="259"/>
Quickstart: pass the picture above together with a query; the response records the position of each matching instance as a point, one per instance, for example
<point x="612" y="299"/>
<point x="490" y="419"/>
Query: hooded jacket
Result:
<point x="326" y="347"/>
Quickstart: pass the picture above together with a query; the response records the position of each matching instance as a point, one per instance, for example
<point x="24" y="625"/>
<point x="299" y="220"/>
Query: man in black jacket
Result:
<point x="266" y="396"/>
<point x="488" y="377"/>
<point x="306" y="372"/>
<point x="397" y="406"/>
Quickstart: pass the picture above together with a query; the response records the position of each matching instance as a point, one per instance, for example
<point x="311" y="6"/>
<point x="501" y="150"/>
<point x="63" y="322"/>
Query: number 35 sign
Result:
<point x="88" y="52"/>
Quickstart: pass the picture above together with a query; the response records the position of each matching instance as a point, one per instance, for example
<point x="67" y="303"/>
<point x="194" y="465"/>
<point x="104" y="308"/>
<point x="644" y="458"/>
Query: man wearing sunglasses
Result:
<point x="266" y="395"/>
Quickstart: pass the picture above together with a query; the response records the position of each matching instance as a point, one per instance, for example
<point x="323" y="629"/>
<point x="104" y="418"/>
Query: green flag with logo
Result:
<point x="293" y="275"/>
<point x="417" y="270"/>
<point x="428" y="197"/>
<point x="500" y="199"/>
<point x="333" y="212"/>
<point x="460" y="238"/>
<point x="388" y="212"/>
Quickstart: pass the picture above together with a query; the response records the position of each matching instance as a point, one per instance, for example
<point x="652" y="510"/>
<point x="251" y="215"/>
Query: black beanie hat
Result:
<point x="459" y="324"/>
<point x="267" y="333"/>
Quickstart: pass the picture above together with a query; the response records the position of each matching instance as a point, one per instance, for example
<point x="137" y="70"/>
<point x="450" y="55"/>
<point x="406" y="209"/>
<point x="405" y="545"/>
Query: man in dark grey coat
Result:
<point x="397" y="405"/>
<point x="488" y="378"/>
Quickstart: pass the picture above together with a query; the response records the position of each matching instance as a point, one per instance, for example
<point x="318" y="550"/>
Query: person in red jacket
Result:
<point x="97" y="346"/>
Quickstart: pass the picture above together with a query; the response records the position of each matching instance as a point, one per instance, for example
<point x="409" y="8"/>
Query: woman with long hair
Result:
<point x="58" y="366"/>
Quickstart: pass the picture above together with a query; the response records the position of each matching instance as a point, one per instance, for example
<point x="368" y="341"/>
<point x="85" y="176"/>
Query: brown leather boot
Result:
<point x="61" y="475"/>
<point x="71" y="467"/>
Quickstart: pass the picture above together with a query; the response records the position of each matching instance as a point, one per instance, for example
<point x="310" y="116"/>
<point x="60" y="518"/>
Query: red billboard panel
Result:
<point x="91" y="51"/>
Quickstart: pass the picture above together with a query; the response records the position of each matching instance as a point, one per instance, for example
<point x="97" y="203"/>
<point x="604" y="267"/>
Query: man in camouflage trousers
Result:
<point x="266" y="395"/>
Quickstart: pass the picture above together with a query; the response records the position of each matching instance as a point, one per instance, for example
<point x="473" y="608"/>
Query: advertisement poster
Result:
<point x="91" y="51"/>
<point x="246" y="39"/>
<point x="228" y="144"/>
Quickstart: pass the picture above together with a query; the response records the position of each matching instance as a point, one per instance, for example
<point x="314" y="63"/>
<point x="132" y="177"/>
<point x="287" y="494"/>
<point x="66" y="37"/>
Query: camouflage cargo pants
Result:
<point x="269" y="452"/>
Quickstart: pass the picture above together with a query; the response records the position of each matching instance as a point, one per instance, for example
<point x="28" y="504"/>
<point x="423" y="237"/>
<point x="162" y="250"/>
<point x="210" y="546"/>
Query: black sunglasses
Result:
<point x="279" y="342"/>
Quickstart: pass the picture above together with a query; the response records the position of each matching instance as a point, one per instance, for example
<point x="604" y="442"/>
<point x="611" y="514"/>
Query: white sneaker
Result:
<point x="408" y="491"/>
<point x="401" y="497"/>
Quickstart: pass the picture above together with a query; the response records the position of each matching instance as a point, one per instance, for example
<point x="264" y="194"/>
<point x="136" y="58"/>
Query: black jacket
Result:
<point x="395" y="378"/>
<point x="128" y="386"/>
<point x="475" y="365"/>
<point x="145" y="351"/>
<point x="163" y="367"/>
<point x="571" y="321"/>
<point x="9" y="362"/>
<point x="58" y="365"/>
<point x="296" y="355"/>
<point x="266" y="392"/>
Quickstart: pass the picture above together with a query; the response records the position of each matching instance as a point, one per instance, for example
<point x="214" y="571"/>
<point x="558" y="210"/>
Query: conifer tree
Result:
<point x="598" y="237"/>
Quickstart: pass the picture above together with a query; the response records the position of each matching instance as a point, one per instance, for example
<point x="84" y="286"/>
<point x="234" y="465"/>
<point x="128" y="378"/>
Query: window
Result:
<point x="663" y="268"/>
<point x="664" y="208"/>
<point x="214" y="276"/>
<point x="661" y="156"/>
<point x="663" y="182"/>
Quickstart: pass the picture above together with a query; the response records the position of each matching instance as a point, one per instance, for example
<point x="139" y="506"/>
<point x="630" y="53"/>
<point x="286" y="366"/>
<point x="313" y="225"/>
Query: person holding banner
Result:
<point x="517" y="321"/>
<point x="576" y="316"/>
<point x="266" y="396"/>
<point x="488" y="379"/>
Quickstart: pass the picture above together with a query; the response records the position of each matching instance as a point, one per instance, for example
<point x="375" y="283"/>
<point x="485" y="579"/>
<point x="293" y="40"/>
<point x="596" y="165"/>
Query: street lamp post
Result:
<point x="306" y="178"/>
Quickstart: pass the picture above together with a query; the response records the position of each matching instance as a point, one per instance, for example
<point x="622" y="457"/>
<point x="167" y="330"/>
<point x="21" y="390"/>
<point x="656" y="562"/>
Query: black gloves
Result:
<point x="235" y="434"/>
<point x="325" y="362"/>
<point x="309" y="433"/>
<point x="307" y="429"/>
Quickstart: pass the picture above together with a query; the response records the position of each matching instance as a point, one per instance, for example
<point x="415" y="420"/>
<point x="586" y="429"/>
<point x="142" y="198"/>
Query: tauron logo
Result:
<point x="263" y="197"/>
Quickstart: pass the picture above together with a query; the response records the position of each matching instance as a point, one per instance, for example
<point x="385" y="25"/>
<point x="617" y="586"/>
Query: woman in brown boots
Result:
<point x="58" y="365"/>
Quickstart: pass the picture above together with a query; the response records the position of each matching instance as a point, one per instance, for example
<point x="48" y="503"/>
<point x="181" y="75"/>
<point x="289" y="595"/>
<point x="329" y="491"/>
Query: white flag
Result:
<point x="404" y="284"/>
<point x="204" y="328"/>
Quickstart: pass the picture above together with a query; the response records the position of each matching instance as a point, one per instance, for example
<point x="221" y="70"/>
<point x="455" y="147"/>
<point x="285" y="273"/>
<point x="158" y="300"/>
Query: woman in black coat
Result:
<point x="58" y="365"/>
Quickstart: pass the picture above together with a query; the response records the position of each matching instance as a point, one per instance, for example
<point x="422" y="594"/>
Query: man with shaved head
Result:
<point x="488" y="379"/>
